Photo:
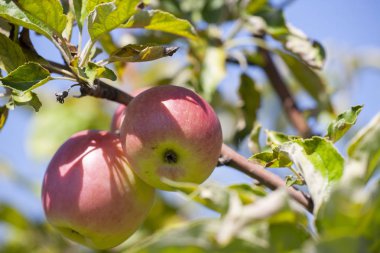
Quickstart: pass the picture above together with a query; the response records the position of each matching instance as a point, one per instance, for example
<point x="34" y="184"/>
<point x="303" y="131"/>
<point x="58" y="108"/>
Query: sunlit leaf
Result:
<point x="94" y="71"/>
<point x="141" y="53"/>
<point x="254" y="139"/>
<point x="213" y="70"/>
<point x="319" y="162"/>
<point x="277" y="138"/>
<point x="251" y="98"/>
<point x="10" y="11"/>
<point x="26" y="77"/>
<point x="5" y="27"/>
<point x="343" y="123"/>
<point x="364" y="151"/>
<point x="11" y="55"/>
<point x="255" y="5"/>
<point x="161" y="21"/>
<point x="308" y="79"/>
<point x="48" y="12"/>
<point x="83" y="8"/>
<point x="108" y="16"/>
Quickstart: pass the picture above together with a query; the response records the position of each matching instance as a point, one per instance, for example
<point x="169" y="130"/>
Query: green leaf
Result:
<point x="10" y="11"/>
<point x="94" y="71"/>
<point x="83" y="8"/>
<point x="271" y="159"/>
<point x="308" y="79"/>
<point x="27" y="98"/>
<point x="351" y="216"/>
<point x="309" y="51"/>
<point x="213" y="70"/>
<point x="49" y="12"/>
<point x="3" y="116"/>
<point x="106" y="17"/>
<point x="5" y="27"/>
<point x="275" y="21"/>
<point x="141" y="53"/>
<point x="251" y="98"/>
<point x="161" y="21"/>
<point x="343" y="123"/>
<point x="254" y="6"/>
<point x="319" y="162"/>
<point x="254" y="139"/>
<point x="277" y="138"/>
<point x="364" y="151"/>
<point x="26" y="77"/>
<point x="11" y="55"/>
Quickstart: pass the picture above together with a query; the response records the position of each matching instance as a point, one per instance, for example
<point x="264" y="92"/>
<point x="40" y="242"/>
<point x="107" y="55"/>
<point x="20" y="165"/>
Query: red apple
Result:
<point x="172" y="133"/>
<point x="90" y="195"/>
<point x="119" y="114"/>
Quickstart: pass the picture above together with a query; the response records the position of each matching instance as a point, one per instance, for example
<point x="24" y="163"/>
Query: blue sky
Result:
<point x="348" y="26"/>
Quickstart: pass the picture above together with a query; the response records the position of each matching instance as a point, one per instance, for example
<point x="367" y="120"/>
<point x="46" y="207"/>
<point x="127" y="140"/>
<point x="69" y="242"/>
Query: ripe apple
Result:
<point x="90" y="195"/>
<point x="119" y="114"/>
<point x="172" y="133"/>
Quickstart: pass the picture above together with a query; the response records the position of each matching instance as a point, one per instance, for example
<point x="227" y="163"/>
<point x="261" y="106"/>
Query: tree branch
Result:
<point x="272" y="181"/>
<point x="289" y="104"/>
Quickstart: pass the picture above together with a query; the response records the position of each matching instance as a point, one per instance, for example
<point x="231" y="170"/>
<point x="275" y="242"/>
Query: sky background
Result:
<point x="343" y="26"/>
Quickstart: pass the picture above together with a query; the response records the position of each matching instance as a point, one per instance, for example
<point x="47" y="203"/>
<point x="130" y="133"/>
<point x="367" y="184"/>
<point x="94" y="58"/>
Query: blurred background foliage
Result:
<point x="226" y="65"/>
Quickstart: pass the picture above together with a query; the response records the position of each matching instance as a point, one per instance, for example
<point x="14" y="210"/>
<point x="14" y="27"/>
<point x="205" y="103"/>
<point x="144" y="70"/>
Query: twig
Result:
<point x="290" y="106"/>
<point x="258" y="172"/>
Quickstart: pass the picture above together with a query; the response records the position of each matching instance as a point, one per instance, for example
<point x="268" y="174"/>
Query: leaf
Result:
<point x="309" y="51"/>
<point x="94" y="71"/>
<point x="161" y="21"/>
<point x="278" y="138"/>
<point x="308" y="79"/>
<point x="343" y="123"/>
<point x="141" y="53"/>
<point x="254" y="138"/>
<point x="83" y="8"/>
<point x="251" y="98"/>
<point x="10" y="11"/>
<point x="26" y="77"/>
<point x="5" y="27"/>
<point x="319" y="162"/>
<point x="364" y="151"/>
<point x="27" y="98"/>
<point x="275" y="21"/>
<point x="3" y="116"/>
<point x="11" y="55"/>
<point x="106" y="17"/>
<point x="254" y="6"/>
<point x="213" y="70"/>
<point x="271" y="159"/>
<point x="49" y="12"/>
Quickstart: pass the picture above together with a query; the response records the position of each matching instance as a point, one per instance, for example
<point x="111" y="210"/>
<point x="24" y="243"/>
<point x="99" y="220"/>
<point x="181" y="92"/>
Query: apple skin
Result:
<point x="172" y="133"/>
<point x="90" y="195"/>
<point x="119" y="114"/>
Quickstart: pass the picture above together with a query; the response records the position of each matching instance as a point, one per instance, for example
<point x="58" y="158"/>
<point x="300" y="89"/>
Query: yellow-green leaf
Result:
<point x="161" y="21"/>
<point x="106" y="17"/>
<point x="11" y="55"/>
<point x="26" y="77"/>
<point x="141" y="53"/>
<point x="3" y="116"/>
<point x="50" y="12"/>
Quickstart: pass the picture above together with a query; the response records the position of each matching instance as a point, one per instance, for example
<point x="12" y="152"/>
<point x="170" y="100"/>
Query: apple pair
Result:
<point x="98" y="188"/>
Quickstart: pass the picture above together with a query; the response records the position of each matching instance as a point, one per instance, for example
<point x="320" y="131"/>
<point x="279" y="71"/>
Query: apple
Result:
<point x="89" y="193"/>
<point x="171" y="133"/>
<point x="119" y="114"/>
